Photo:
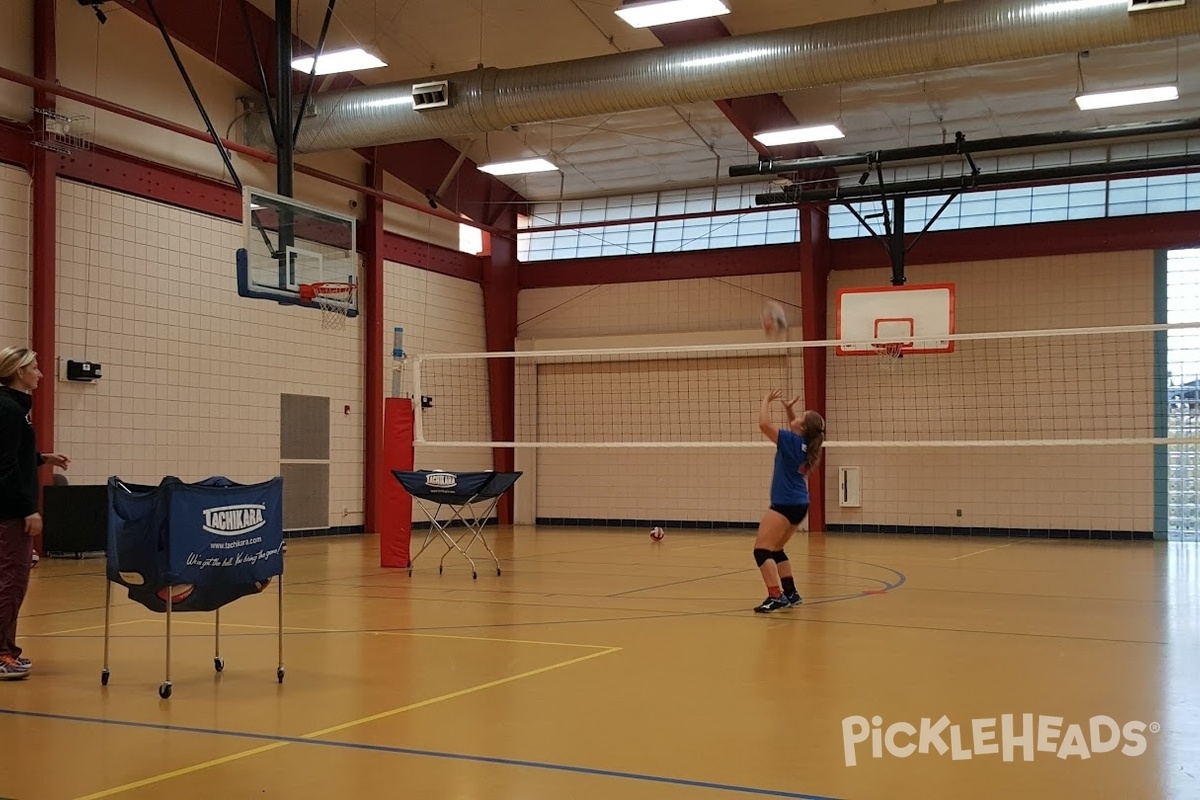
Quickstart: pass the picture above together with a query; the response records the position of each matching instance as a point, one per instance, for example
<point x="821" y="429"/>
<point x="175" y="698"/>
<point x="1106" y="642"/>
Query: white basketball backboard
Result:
<point x="917" y="318"/>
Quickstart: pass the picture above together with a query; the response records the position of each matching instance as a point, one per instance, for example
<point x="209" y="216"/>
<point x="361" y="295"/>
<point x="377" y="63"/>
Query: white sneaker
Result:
<point x="36" y="559"/>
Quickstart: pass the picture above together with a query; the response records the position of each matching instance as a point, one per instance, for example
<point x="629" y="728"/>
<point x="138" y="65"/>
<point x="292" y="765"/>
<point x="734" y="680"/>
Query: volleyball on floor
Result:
<point x="774" y="321"/>
<point x="657" y="534"/>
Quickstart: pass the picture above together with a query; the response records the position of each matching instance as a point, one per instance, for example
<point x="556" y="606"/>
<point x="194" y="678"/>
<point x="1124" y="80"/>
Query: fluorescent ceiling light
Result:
<point x="518" y="167"/>
<point x="664" y="12"/>
<point x="730" y="58"/>
<point x="1063" y="7"/>
<point x="339" y="61"/>
<point x="1132" y="97"/>
<point x="817" y="133"/>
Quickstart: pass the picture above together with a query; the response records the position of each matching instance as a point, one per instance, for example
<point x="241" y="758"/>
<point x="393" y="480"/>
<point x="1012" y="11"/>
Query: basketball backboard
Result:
<point x="290" y="247"/>
<point x="910" y="319"/>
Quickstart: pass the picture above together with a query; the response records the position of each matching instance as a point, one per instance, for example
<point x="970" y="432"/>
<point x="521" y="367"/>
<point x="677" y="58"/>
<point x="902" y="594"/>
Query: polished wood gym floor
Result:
<point x="602" y="665"/>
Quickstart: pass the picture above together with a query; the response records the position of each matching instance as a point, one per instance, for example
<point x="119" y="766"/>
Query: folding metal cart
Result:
<point x="459" y="492"/>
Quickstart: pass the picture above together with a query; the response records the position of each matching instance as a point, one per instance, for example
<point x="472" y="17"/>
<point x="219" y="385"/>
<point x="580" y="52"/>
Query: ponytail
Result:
<point x="814" y="438"/>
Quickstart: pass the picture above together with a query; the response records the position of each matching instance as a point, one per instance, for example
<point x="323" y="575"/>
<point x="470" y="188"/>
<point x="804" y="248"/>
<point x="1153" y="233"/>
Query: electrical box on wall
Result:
<point x="86" y="371"/>
<point x="850" y="487"/>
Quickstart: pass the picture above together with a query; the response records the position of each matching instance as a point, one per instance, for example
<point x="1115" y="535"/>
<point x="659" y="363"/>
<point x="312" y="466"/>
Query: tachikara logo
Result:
<point x="234" y="520"/>
<point x="442" y="480"/>
<point x="1028" y="734"/>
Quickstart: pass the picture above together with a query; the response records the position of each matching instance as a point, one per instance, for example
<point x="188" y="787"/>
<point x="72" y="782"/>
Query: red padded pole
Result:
<point x="395" y="530"/>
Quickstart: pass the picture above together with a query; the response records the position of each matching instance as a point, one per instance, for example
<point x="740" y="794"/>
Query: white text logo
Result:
<point x="234" y="520"/>
<point x="1026" y="734"/>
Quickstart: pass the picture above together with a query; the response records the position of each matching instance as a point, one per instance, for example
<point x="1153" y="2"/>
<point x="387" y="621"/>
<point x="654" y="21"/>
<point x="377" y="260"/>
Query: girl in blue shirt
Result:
<point x="797" y="452"/>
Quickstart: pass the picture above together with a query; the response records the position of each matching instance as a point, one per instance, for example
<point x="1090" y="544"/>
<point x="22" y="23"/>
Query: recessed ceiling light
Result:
<point x="1132" y="97"/>
<point x="663" y="12"/>
<point x="816" y="133"/>
<point x="518" y="167"/>
<point x="339" y="61"/>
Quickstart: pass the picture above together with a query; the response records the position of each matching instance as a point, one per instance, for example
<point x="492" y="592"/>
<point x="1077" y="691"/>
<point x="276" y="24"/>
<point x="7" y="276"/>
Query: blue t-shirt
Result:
<point x="788" y="484"/>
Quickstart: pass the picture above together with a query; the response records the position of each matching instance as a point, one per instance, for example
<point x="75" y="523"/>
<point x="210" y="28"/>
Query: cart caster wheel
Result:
<point x="219" y="664"/>
<point x="279" y="674"/>
<point x="474" y="576"/>
<point x="497" y="570"/>
<point x="439" y="570"/>
<point x="164" y="691"/>
<point x="104" y="678"/>
<point x="410" y="572"/>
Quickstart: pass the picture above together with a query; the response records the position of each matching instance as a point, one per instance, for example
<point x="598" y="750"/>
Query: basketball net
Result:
<point x="889" y="355"/>
<point x="334" y="299"/>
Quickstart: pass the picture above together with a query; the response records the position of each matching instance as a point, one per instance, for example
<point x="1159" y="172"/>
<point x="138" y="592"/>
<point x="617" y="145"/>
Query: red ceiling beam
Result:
<point x="425" y="165"/>
<point x="221" y="38"/>
<point x="269" y="158"/>
<point x="1108" y="234"/>
<point x="1077" y="237"/>
<point x="141" y="178"/>
<point x="431" y="257"/>
<point x="160" y="183"/>
<point x="749" y="115"/>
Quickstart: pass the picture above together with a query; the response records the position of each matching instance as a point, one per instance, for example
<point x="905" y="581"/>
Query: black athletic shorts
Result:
<point x="794" y="514"/>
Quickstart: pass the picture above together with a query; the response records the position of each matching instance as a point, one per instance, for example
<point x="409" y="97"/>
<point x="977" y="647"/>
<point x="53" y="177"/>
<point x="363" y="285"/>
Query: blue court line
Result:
<point x="380" y="748"/>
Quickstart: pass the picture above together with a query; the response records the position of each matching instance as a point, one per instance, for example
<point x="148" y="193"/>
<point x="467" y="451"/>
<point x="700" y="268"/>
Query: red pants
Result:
<point x="16" y="559"/>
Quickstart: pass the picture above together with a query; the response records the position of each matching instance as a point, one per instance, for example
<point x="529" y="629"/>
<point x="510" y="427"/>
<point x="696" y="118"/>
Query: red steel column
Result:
<point x="814" y="304"/>
<point x="500" y="321"/>
<point x="371" y="307"/>
<point x="44" y="238"/>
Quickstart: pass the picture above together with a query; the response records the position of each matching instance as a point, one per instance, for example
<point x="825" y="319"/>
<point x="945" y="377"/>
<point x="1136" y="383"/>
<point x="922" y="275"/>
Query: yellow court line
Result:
<point x="333" y="729"/>
<point x="984" y="550"/>
<point x="409" y="633"/>
<point x="491" y="639"/>
<point x="88" y="628"/>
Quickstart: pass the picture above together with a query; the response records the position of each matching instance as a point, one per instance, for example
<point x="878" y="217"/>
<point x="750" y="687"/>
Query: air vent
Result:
<point x="430" y="95"/>
<point x="1151" y="5"/>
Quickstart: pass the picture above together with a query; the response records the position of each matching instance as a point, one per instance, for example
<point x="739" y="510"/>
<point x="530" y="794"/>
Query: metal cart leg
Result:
<point x="164" y="691"/>
<point x="279" y="672"/>
<point x="435" y="531"/>
<point x="452" y="545"/>
<point x="218" y="662"/>
<point x="474" y="527"/>
<point x="479" y="536"/>
<point x="107" y="612"/>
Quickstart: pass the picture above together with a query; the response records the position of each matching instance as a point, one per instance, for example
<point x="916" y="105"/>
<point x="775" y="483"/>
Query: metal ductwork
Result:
<point x="909" y="42"/>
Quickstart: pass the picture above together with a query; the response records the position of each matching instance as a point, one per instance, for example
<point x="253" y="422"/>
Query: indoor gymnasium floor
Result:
<point x="601" y="664"/>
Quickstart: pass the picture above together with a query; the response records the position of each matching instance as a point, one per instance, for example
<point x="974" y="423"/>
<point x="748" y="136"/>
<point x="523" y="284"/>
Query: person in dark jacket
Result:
<point x="20" y="521"/>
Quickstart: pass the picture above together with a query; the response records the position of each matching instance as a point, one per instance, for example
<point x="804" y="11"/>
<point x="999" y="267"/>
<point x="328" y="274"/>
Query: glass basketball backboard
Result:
<point x="903" y="319"/>
<point x="291" y="247"/>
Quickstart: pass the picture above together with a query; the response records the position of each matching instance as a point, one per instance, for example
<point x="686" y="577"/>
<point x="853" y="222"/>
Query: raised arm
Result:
<point x="764" y="415"/>
<point x="789" y="406"/>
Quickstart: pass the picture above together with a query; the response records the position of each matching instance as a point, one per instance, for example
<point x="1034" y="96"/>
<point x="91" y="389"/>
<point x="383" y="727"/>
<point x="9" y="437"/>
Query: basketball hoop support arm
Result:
<point x="212" y="131"/>
<point x="894" y="224"/>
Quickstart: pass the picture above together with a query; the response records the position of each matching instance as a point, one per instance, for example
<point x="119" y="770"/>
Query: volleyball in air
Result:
<point x="774" y="321"/>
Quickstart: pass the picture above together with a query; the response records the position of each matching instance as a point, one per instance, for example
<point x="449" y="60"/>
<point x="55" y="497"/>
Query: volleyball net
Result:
<point x="1079" y="387"/>
<point x="1084" y="418"/>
